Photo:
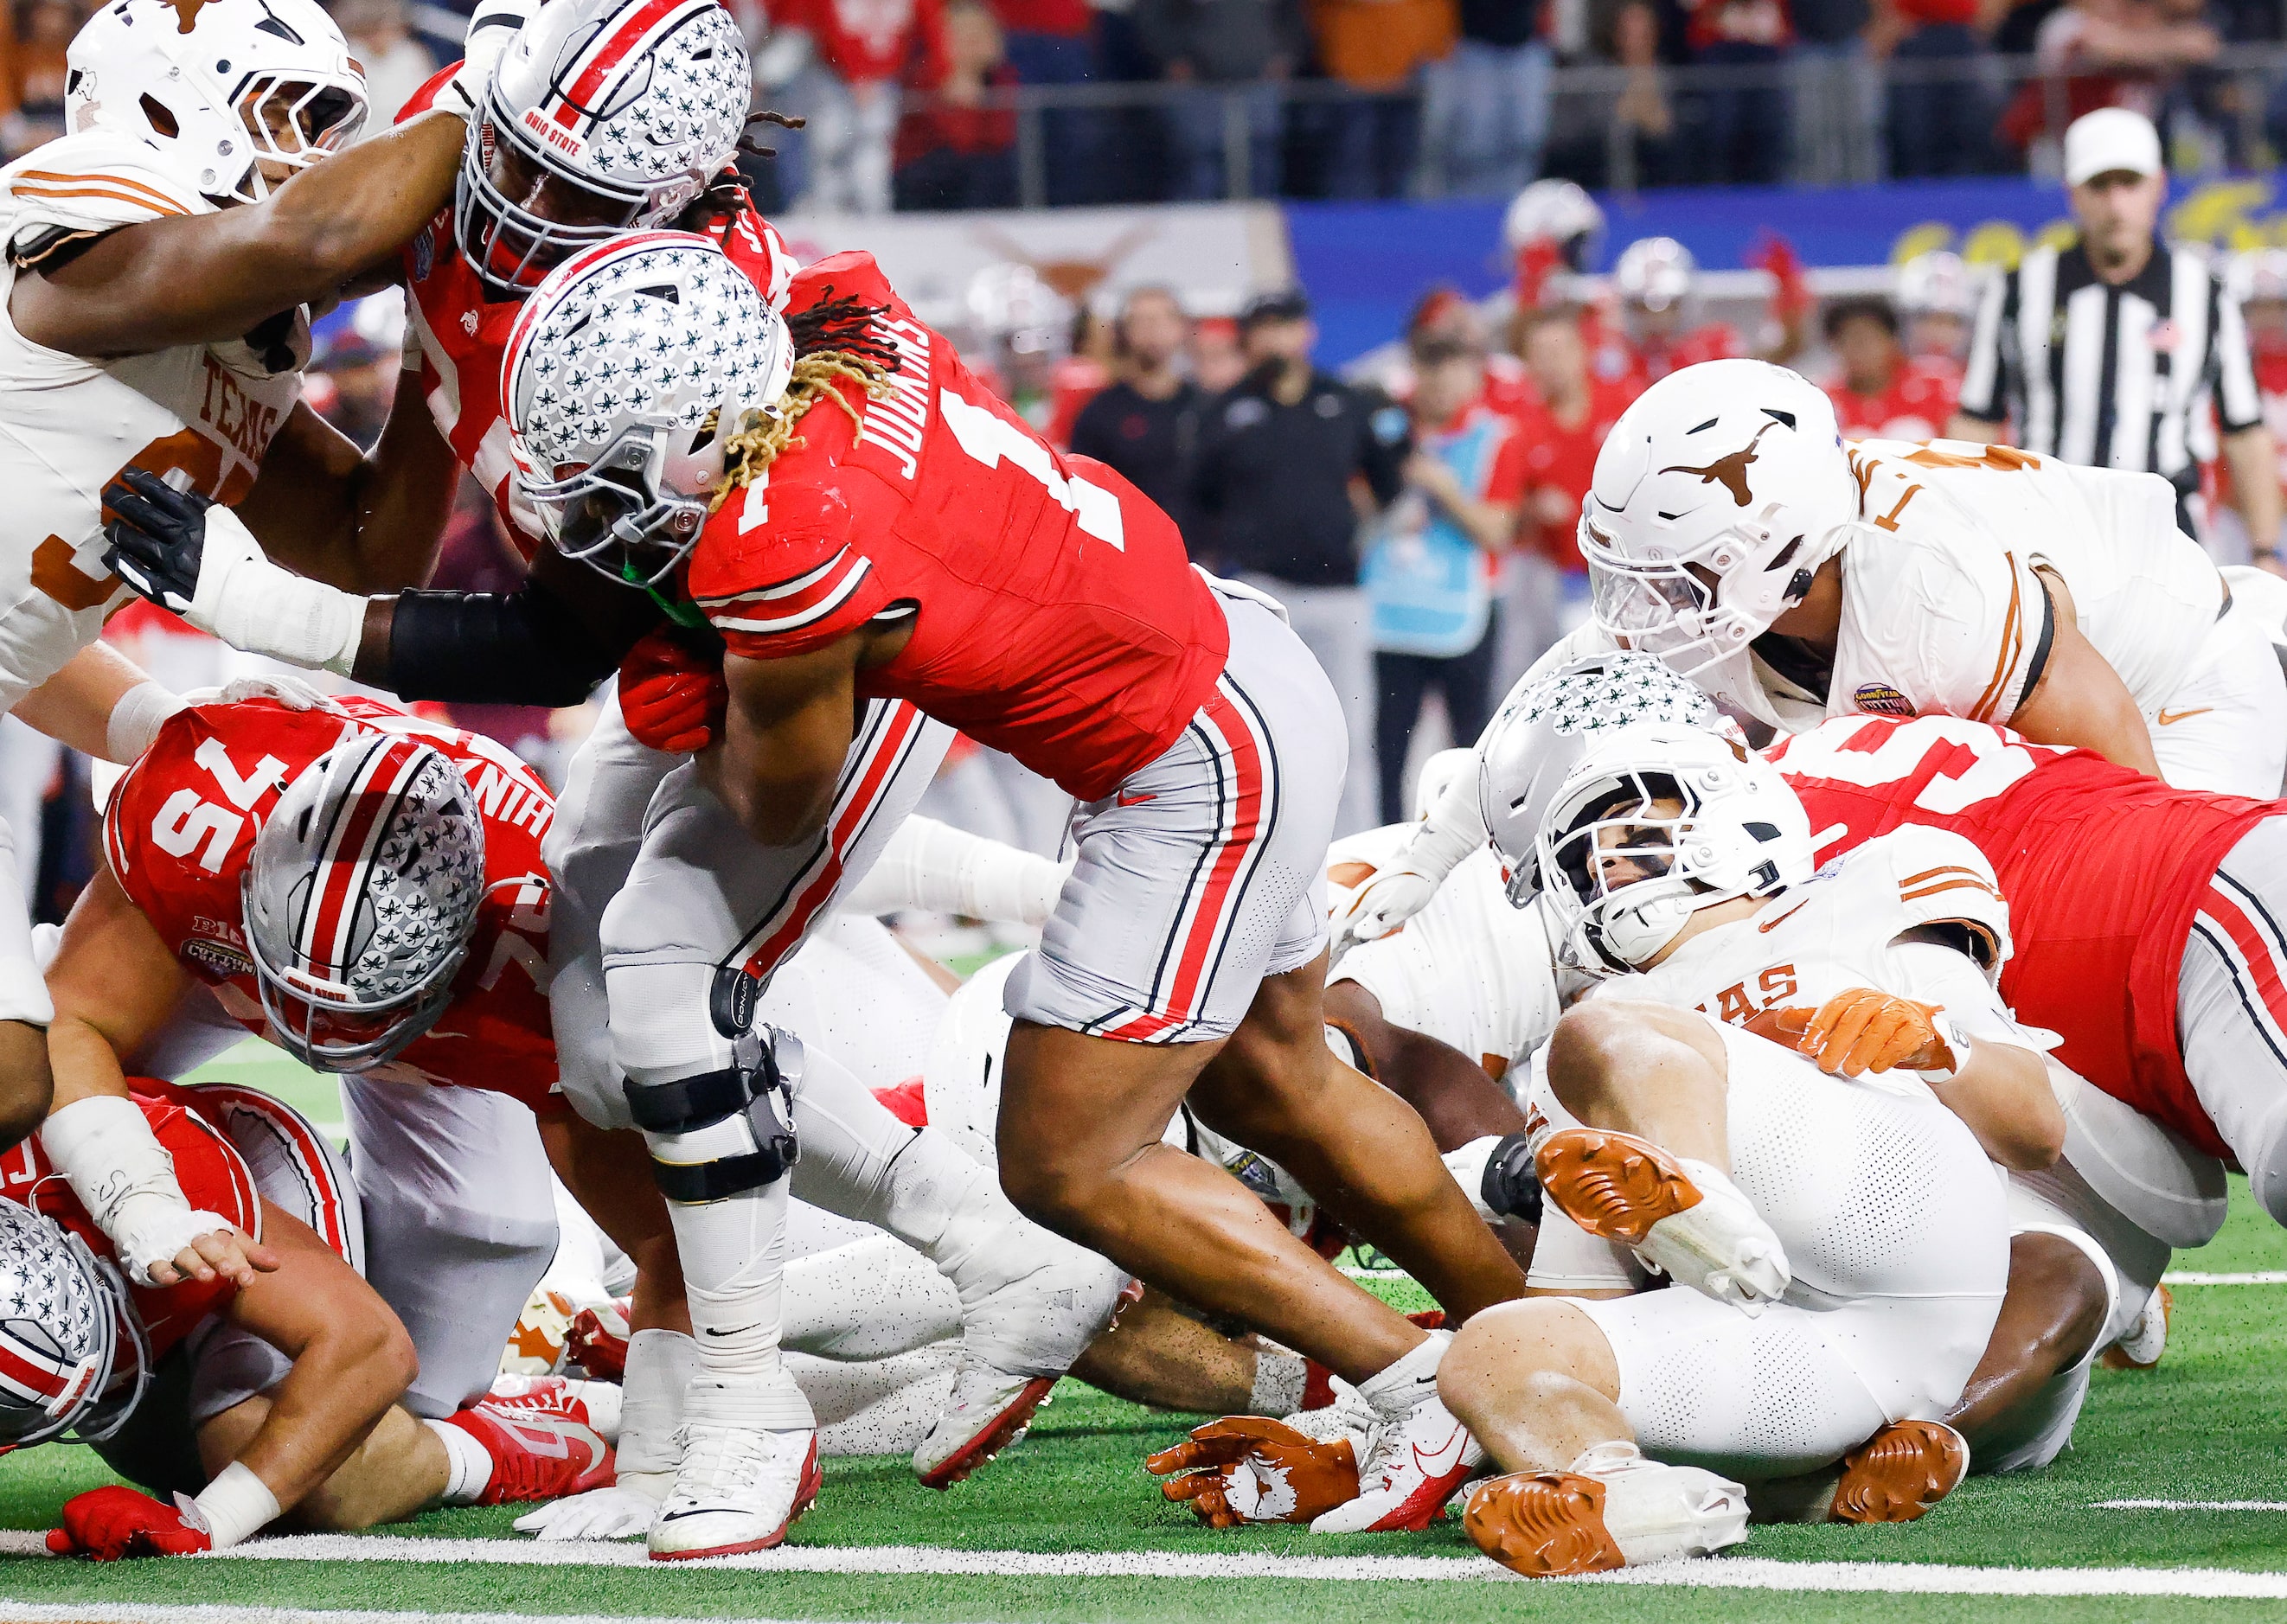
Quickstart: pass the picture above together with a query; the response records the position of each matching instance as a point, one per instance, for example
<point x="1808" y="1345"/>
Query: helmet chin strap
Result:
<point x="1634" y="931"/>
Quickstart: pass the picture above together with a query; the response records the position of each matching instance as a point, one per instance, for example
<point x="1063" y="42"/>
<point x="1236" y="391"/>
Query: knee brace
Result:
<point x="731" y="1128"/>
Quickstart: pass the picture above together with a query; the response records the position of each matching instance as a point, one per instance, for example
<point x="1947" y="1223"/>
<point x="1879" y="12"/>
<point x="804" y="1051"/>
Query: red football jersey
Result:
<point x="179" y="832"/>
<point x="462" y="331"/>
<point x="1916" y="405"/>
<point x="1057" y="618"/>
<point x="2102" y="867"/>
<point x="214" y="1180"/>
<point x="1714" y="342"/>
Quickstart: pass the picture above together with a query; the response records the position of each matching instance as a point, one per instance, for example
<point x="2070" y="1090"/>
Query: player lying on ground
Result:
<point x="1829" y="1209"/>
<point x="240" y="1401"/>
<point x="2084" y="1275"/>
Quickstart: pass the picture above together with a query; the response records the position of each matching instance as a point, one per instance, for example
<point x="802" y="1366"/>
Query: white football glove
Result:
<point x="150" y="1230"/>
<point x="290" y="691"/>
<point x="622" y="1511"/>
<point x="494" y="25"/>
<point x="1450" y="829"/>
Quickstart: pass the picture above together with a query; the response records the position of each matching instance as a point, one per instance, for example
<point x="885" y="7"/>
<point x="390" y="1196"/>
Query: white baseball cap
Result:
<point x="2107" y="139"/>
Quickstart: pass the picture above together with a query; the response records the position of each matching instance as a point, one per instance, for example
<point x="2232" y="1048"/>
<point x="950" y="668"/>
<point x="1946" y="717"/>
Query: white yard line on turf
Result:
<point x="2190" y="1505"/>
<point x="1744" y="1573"/>
<point x="2193" y="1277"/>
<point x="140" y="1612"/>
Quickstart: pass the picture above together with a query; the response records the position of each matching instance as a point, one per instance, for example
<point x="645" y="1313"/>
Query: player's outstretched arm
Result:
<point x="352" y="1359"/>
<point x="101" y="704"/>
<point x="788" y="729"/>
<point x="2081" y="700"/>
<point x="364" y="520"/>
<point x="204" y="278"/>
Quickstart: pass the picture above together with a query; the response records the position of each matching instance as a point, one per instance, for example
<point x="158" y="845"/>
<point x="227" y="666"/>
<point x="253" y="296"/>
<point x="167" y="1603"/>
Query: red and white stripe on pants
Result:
<point x="1248" y="791"/>
<point x="889" y="735"/>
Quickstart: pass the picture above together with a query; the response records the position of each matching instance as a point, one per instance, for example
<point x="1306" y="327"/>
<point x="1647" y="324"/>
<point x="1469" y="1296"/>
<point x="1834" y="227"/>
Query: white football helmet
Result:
<point x="1556" y="211"/>
<point x="360" y="900"/>
<point x="217" y="87"/>
<point x="1938" y="283"/>
<point x="1537" y="739"/>
<point x="638" y="104"/>
<point x="1654" y="822"/>
<point x="1654" y="274"/>
<point x="626" y="372"/>
<point x="1716" y="496"/>
<point x="73" y="1353"/>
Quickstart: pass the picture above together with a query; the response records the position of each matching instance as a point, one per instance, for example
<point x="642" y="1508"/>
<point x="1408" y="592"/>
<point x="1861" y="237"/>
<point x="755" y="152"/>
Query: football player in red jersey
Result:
<point x="918" y="540"/>
<point x="294" y="1410"/>
<point x="1882" y="392"/>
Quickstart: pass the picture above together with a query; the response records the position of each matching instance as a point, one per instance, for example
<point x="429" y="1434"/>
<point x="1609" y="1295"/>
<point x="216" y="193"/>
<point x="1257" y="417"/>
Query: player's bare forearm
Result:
<point x="1985" y="430"/>
<point x="365" y="522"/>
<point x="2080" y="700"/>
<point x="114" y="984"/>
<point x="2002" y="1092"/>
<point x="73" y="707"/>
<point x="2253" y="459"/>
<point x="785" y="736"/>
<point x="202" y="279"/>
<point x="352" y="1359"/>
<point x="1452" y="1092"/>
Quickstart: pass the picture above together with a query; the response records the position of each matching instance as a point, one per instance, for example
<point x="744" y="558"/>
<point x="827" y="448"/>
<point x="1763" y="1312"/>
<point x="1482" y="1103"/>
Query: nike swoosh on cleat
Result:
<point x="1444" y="1457"/>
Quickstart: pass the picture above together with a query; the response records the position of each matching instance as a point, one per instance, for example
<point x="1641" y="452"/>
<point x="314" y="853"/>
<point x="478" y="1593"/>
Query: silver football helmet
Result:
<point x="1558" y="212"/>
<point x="73" y="1354"/>
<point x="634" y="107"/>
<point x="631" y="366"/>
<point x="1540" y="738"/>
<point x="1654" y="822"/>
<point x="362" y="898"/>
<point x="217" y="89"/>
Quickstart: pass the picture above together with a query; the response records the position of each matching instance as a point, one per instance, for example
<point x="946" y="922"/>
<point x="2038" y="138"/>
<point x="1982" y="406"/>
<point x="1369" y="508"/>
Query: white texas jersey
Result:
<point x="1841" y="929"/>
<point x="1942" y="611"/>
<point x="1469" y="970"/>
<point x="67" y="425"/>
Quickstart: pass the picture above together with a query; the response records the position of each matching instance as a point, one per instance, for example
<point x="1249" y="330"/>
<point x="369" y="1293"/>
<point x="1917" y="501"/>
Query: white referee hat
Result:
<point x="2107" y="139"/>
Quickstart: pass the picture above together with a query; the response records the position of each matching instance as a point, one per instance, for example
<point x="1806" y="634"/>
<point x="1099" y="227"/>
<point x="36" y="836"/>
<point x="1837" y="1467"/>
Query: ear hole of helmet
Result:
<point x="162" y="120"/>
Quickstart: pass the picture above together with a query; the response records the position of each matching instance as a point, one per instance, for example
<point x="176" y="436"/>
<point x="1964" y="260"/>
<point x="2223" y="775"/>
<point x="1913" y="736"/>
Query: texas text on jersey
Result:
<point x="68" y="424"/>
<point x="460" y="330"/>
<point x="213" y="1177"/>
<point x="2103" y="867"/>
<point x="179" y="833"/>
<point x="1057" y="617"/>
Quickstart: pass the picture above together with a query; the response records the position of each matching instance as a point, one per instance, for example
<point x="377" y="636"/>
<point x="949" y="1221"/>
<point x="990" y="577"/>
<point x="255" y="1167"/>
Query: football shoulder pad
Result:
<point x="91" y="182"/>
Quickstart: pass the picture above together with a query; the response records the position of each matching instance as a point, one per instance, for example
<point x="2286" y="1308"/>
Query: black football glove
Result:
<point x="1511" y="1188"/>
<point x="158" y="537"/>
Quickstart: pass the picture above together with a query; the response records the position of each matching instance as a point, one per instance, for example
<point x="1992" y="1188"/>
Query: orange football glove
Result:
<point x="671" y="695"/>
<point x="1250" y="1468"/>
<point x="1861" y="1030"/>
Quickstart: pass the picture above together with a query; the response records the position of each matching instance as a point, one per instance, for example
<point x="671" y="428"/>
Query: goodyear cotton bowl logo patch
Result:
<point x="218" y="958"/>
<point x="1882" y="699"/>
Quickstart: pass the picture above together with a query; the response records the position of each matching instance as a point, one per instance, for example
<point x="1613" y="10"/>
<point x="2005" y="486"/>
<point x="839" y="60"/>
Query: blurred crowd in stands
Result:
<point x="911" y="104"/>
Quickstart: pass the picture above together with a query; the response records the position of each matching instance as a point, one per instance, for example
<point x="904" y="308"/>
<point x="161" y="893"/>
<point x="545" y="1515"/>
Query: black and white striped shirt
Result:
<point x="2115" y="377"/>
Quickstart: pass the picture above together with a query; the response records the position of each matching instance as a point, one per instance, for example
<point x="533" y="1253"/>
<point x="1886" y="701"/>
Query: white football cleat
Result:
<point x="1683" y="1218"/>
<point x="1018" y="1338"/>
<point x="2141" y="1348"/>
<point x="738" y="1489"/>
<point x="1408" y="1470"/>
<point x="1612" y="1508"/>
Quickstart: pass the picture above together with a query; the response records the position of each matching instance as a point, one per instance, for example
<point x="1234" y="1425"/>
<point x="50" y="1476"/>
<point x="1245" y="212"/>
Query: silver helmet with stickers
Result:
<point x="1654" y="822"/>
<point x="233" y="95"/>
<point x="629" y="369"/>
<point x="616" y="113"/>
<point x="1541" y="734"/>
<point x="73" y="1357"/>
<point x="362" y="898"/>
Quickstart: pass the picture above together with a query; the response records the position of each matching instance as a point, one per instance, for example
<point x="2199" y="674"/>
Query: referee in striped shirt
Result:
<point x="2121" y="351"/>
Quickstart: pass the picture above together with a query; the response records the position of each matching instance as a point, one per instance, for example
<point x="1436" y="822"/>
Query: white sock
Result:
<point x="660" y="1364"/>
<point x="468" y="1468"/>
<point x="1397" y="1388"/>
<point x="1279" y="1379"/>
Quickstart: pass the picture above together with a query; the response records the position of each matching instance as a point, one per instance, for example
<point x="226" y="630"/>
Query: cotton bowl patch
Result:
<point x="1882" y="700"/>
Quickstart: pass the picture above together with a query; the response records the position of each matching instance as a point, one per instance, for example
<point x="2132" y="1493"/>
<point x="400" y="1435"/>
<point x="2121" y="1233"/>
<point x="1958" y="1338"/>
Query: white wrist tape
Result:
<point x="261" y="608"/>
<point x="106" y="1151"/>
<point x="234" y="1505"/>
<point x="136" y="720"/>
<point x="929" y="864"/>
<point x="1956" y="1040"/>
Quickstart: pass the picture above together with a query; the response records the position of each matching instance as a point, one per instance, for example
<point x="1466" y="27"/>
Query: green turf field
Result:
<point x="1068" y="1526"/>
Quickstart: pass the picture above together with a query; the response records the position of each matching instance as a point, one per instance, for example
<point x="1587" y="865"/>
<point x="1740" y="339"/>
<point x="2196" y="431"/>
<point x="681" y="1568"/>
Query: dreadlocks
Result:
<point x="834" y="343"/>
